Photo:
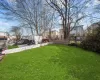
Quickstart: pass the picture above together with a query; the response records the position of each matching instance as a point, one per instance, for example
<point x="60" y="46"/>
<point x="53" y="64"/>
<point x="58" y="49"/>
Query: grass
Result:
<point x="52" y="62"/>
<point x="13" y="46"/>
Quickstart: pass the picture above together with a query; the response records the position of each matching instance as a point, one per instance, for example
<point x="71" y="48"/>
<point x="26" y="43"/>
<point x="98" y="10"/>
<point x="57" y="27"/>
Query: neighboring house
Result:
<point x="77" y="31"/>
<point x="46" y="34"/>
<point x="3" y="40"/>
<point x="61" y="35"/>
<point x="76" y="34"/>
<point x="3" y="34"/>
<point x="11" y="39"/>
<point x="92" y="27"/>
<point x="54" y="34"/>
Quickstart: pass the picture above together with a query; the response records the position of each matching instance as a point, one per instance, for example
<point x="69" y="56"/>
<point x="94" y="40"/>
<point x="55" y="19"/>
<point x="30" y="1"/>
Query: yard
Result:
<point x="52" y="62"/>
<point x="13" y="46"/>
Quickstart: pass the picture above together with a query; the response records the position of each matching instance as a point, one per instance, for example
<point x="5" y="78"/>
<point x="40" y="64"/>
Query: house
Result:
<point x="61" y="35"/>
<point x="77" y="31"/>
<point x="54" y="34"/>
<point x="3" y="35"/>
<point x="92" y="27"/>
<point x="3" y="40"/>
<point x="46" y="34"/>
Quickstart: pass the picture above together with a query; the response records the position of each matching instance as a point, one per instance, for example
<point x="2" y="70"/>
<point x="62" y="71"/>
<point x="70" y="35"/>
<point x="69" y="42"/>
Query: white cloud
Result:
<point x="2" y="24"/>
<point x="88" y="5"/>
<point x="11" y="0"/>
<point x="6" y="25"/>
<point x="93" y="3"/>
<point x="96" y="2"/>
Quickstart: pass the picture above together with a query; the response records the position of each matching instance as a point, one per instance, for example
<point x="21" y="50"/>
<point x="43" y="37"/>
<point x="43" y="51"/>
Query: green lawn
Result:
<point x="13" y="46"/>
<point x="52" y="62"/>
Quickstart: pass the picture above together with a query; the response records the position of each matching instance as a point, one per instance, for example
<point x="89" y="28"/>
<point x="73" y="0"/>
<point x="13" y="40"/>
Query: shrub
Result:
<point x="72" y="44"/>
<point x="92" y="41"/>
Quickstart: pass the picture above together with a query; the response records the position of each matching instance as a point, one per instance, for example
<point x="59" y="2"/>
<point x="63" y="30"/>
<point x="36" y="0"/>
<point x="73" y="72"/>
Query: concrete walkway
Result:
<point x="10" y="51"/>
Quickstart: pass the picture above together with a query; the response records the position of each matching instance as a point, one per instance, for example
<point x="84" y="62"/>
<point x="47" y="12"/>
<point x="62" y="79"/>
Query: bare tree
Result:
<point x="32" y="13"/>
<point x="16" y="32"/>
<point x="69" y="11"/>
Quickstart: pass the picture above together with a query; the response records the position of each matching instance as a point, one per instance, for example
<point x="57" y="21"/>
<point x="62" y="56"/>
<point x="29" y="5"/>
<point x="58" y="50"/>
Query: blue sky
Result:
<point x="5" y="25"/>
<point x="95" y="16"/>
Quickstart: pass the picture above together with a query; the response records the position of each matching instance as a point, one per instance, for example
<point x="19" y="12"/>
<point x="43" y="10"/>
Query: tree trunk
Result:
<point x="68" y="37"/>
<point x="64" y="29"/>
<point x="50" y="34"/>
<point x="65" y="34"/>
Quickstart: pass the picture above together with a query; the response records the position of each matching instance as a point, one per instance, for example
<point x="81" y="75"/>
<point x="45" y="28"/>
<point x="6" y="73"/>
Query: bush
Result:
<point x="74" y="44"/>
<point x="92" y="41"/>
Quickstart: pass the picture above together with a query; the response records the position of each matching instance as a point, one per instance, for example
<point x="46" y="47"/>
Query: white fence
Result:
<point x="24" y="48"/>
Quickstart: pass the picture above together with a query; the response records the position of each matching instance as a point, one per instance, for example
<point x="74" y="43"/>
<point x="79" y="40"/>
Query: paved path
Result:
<point x="10" y="51"/>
